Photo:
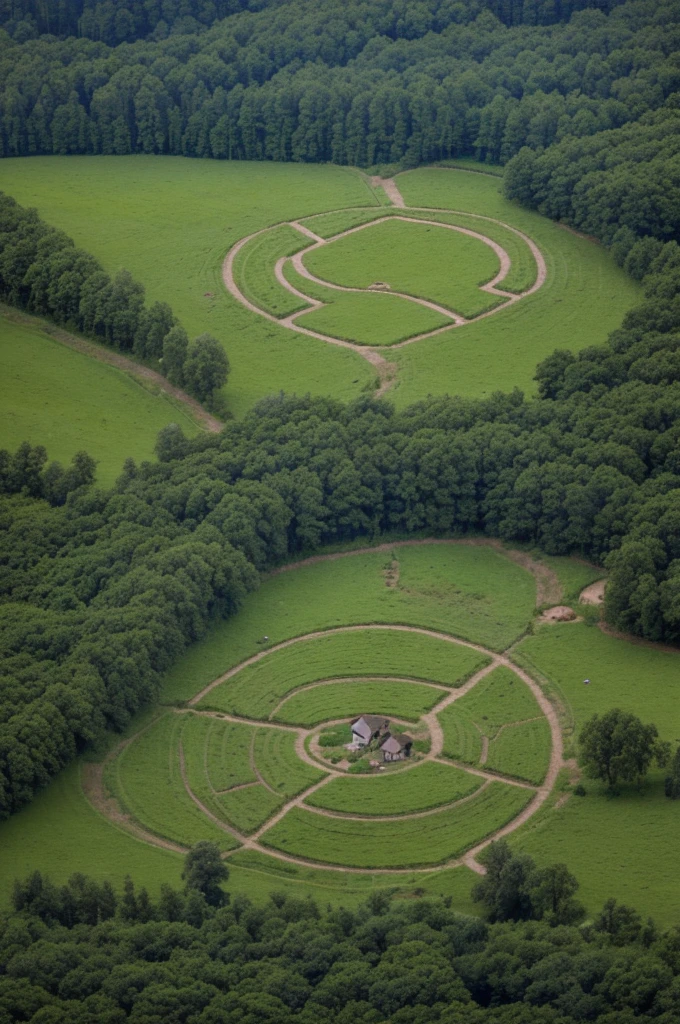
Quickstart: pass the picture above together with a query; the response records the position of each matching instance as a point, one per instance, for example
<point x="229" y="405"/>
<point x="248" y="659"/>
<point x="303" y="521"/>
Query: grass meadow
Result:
<point x="431" y="263"/>
<point x="367" y="318"/>
<point x="254" y="269"/>
<point x="278" y="764"/>
<point x="339" y="700"/>
<point x="433" y="839"/>
<point x="257" y="689"/>
<point x="171" y="221"/>
<point x="428" y="785"/>
<point x="522" y="750"/>
<point x="68" y="402"/>
<point x="473" y="592"/>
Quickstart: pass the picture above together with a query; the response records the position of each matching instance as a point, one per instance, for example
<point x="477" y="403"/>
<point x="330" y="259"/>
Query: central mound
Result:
<point x="428" y="261"/>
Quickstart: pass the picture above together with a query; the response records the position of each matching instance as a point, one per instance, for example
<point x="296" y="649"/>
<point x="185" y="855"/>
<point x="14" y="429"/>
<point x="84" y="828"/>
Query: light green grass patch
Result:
<point x="522" y="750"/>
<point x="375" y="844"/>
<point x="371" y="318"/>
<point x="279" y="764"/>
<point x="246" y="809"/>
<point x="340" y="700"/>
<point x="434" y="263"/>
<point x="257" y="689"/>
<point x="228" y="754"/>
<point x="254" y="269"/>
<point x="59" y="833"/>
<point x="498" y="699"/>
<point x="634" y="677"/>
<point x="68" y="402"/>
<point x="473" y="592"/>
<point x="328" y="224"/>
<point x="426" y="786"/>
<point x="146" y="779"/>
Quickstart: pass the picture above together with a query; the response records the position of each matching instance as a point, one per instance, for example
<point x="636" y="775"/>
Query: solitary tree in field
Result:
<point x="204" y="871"/>
<point x="617" y="745"/>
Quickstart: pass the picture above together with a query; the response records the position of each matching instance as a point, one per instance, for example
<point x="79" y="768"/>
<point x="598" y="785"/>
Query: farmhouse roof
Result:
<point x="369" y="724"/>
<point x="393" y="744"/>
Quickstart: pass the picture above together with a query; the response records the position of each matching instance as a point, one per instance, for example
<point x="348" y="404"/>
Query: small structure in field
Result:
<point x="396" y="748"/>
<point x="367" y="729"/>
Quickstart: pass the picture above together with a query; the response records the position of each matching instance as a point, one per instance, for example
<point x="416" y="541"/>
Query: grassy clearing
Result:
<point x="68" y="402"/>
<point x="339" y="700"/>
<point x="573" y="575"/>
<point x="432" y="263"/>
<point x="255" y="691"/>
<point x="522" y="273"/>
<point x="372" y="318"/>
<point x="502" y="351"/>
<point x="280" y="766"/>
<point x="146" y="779"/>
<point x="228" y="754"/>
<point x="376" y="844"/>
<point x="633" y="677"/>
<point x="247" y="809"/>
<point x="428" y="785"/>
<point x="500" y="698"/>
<point x="623" y="847"/>
<point x="475" y="593"/>
<point x="254" y="269"/>
<point x="329" y="224"/>
<point x="522" y="750"/>
<point x="171" y="221"/>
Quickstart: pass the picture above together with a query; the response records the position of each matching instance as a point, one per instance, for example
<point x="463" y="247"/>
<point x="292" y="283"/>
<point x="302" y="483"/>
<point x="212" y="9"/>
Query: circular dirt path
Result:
<point x="95" y="789"/>
<point x="386" y="370"/>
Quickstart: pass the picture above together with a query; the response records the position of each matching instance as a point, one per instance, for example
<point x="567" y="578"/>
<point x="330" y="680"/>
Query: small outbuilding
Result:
<point x="397" y="747"/>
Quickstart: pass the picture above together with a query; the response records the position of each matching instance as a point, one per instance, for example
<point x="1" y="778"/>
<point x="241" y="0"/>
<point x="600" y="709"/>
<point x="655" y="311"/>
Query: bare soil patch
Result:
<point x="594" y="594"/>
<point x="560" y="613"/>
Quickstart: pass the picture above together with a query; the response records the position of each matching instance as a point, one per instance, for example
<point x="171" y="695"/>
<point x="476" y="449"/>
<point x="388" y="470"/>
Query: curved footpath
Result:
<point x="386" y="370"/>
<point x="252" y="842"/>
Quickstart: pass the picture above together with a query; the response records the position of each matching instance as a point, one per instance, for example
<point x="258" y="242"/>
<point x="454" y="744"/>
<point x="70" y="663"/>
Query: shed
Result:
<point x="396" y="748"/>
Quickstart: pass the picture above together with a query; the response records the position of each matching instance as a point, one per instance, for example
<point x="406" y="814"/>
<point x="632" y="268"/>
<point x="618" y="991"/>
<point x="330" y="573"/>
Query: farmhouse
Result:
<point x="396" y="748"/>
<point x="368" y="728"/>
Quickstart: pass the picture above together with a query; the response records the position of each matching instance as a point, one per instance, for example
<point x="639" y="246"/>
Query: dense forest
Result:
<point x="576" y="95"/>
<point x="78" y="954"/>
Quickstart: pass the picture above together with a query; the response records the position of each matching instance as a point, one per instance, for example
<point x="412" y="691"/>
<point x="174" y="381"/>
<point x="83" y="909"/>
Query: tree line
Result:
<point x="364" y="83"/>
<point x="42" y="271"/>
<point x="81" y="954"/>
<point x="101" y="593"/>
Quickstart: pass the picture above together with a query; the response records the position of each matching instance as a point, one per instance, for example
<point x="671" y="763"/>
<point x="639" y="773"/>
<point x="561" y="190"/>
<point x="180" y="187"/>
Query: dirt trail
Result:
<point x="389" y="186"/>
<point x="431" y="719"/>
<point x="483" y="757"/>
<point x="594" y="594"/>
<point x="386" y="370"/>
<point x="132" y="369"/>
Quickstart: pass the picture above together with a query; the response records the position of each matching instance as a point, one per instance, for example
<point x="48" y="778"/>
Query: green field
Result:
<point x="68" y="402"/>
<point x="256" y="690"/>
<point x="475" y="593"/>
<point x="522" y="750"/>
<point x="171" y="221"/>
<point x="418" y="789"/>
<point x="254" y="269"/>
<point x="433" y="839"/>
<point x="341" y="700"/>
<point x="228" y="754"/>
<point x="433" y="263"/>
<point x="280" y="767"/>
<point x="522" y="272"/>
<point x="502" y="708"/>
<point x="146" y="779"/>
<point x="373" y="318"/>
